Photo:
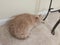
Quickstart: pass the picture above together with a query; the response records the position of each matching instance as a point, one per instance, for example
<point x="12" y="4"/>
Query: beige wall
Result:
<point x="13" y="7"/>
<point x="45" y="3"/>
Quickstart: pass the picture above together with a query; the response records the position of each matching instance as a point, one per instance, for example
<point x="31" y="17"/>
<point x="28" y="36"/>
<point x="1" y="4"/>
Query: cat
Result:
<point x="21" y="25"/>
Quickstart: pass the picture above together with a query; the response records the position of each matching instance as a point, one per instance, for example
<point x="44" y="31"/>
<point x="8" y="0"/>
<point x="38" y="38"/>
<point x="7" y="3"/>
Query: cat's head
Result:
<point x="39" y="18"/>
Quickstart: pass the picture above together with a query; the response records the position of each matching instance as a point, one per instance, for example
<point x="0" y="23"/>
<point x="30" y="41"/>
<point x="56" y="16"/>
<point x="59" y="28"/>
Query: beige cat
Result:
<point x="21" y="25"/>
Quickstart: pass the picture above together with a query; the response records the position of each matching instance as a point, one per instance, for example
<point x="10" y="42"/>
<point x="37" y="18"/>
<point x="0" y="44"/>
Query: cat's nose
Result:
<point x="42" y="21"/>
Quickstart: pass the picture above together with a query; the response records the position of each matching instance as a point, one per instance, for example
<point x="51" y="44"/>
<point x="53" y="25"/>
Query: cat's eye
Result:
<point x="36" y="17"/>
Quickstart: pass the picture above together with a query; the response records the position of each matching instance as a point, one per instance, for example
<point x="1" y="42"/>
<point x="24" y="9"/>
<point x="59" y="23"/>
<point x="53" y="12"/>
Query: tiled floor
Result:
<point x="41" y="35"/>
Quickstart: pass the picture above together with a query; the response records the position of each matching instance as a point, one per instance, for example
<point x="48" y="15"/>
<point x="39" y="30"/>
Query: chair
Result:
<point x="57" y="23"/>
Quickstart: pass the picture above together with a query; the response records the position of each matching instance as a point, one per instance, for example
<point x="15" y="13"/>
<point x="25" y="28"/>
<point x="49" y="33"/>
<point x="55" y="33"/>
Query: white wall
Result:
<point x="13" y="7"/>
<point x="44" y="4"/>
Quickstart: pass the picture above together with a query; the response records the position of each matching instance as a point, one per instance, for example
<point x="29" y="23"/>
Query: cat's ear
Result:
<point x="40" y="15"/>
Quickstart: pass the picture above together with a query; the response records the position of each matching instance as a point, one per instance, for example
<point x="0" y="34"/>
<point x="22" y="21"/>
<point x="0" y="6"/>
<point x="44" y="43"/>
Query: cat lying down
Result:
<point x="21" y="25"/>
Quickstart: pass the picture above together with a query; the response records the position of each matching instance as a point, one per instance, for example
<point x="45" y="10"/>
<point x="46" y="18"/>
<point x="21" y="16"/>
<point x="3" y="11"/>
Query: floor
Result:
<point x="41" y="35"/>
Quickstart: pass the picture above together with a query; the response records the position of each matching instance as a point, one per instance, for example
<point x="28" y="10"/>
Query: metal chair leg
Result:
<point x="53" y="30"/>
<point x="48" y="10"/>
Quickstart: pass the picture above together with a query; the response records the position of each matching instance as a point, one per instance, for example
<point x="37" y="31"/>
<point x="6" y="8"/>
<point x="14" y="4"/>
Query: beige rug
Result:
<point x="41" y="35"/>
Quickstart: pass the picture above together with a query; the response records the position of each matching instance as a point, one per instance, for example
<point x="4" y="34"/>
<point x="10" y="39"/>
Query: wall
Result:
<point x="13" y="7"/>
<point x="44" y="4"/>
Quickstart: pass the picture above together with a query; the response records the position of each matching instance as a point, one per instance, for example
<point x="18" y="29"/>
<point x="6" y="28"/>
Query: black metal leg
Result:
<point x="48" y="10"/>
<point x="55" y="11"/>
<point x="53" y="30"/>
